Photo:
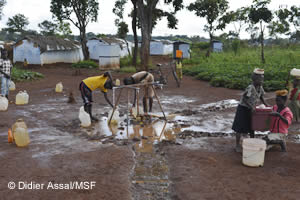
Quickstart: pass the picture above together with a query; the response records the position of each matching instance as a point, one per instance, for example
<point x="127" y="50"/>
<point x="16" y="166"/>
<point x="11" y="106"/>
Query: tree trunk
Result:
<point x="136" y="44"/>
<point x="83" y="41"/>
<point x="210" y="44"/>
<point x="145" y="16"/>
<point x="262" y="44"/>
<point x="128" y="48"/>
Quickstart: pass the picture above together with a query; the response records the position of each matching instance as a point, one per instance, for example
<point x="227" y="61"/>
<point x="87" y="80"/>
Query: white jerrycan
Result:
<point x="3" y="103"/>
<point x="12" y="86"/>
<point x="115" y="118"/>
<point x="22" y="98"/>
<point x="84" y="117"/>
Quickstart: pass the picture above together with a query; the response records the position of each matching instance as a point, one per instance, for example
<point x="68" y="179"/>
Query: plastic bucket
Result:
<point x="261" y="119"/>
<point x="254" y="152"/>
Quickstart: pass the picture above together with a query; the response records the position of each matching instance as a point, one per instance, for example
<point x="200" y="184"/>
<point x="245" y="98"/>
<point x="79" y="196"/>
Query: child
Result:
<point x="5" y="71"/>
<point x="294" y="104"/>
<point x="142" y="77"/>
<point x="88" y="85"/>
<point x="249" y="99"/>
<point x="280" y="121"/>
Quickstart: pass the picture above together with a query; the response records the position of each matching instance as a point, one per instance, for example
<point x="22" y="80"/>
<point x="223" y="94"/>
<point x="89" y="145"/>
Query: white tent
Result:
<point x="161" y="47"/>
<point x="42" y="50"/>
<point x="96" y="46"/>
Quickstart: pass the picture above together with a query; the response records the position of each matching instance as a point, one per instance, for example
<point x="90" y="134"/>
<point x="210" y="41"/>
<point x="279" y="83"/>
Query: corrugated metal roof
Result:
<point x="50" y="43"/>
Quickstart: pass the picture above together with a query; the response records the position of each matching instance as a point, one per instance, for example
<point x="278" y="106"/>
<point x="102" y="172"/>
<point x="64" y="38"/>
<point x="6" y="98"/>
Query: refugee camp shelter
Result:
<point x="105" y="51"/>
<point x="161" y="47"/>
<point x="40" y="50"/>
<point x="217" y="46"/>
<point x="184" y="47"/>
<point x="96" y="45"/>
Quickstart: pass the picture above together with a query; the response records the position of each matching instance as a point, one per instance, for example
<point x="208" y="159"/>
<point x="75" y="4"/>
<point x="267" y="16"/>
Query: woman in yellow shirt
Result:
<point x="88" y="85"/>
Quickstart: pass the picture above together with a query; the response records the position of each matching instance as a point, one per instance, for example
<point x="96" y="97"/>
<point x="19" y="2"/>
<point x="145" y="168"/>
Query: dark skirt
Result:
<point x="242" y="120"/>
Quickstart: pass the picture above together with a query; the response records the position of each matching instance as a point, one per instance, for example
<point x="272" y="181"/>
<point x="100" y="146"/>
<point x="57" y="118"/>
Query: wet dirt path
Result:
<point x="143" y="164"/>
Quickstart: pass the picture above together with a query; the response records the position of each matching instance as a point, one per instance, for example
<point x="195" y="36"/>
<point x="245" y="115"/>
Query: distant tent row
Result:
<point x="40" y="50"/>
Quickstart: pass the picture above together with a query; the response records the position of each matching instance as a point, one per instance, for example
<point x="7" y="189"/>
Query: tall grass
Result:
<point x="234" y="71"/>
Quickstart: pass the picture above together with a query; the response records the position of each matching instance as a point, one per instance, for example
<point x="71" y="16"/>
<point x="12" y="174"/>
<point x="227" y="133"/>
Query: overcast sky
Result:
<point x="188" y="24"/>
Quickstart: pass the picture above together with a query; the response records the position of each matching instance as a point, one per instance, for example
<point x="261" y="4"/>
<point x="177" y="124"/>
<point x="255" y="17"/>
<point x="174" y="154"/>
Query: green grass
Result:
<point x="85" y="64"/>
<point x="129" y="69"/>
<point x="22" y="74"/>
<point x="234" y="71"/>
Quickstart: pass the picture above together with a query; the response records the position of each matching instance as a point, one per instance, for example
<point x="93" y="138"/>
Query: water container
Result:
<point x="254" y="152"/>
<point x="9" y="136"/>
<point x="12" y="86"/>
<point x="117" y="82"/>
<point x="261" y="119"/>
<point x="22" y="98"/>
<point x="59" y="87"/>
<point x="115" y="118"/>
<point x="134" y="111"/>
<point x="84" y="117"/>
<point x="20" y="133"/>
<point x="3" y="103"/>
<point x="295" y="72"/>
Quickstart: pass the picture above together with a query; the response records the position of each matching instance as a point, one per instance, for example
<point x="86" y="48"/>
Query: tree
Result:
<point x="239" y="18"/>
<point x="2" y="4"/>
<point x="48" y="28"/>
<point x="119" y="11"/>
<point x="259" y="14"/>
<point x="285" y="17"/>
<point x="17" y="23"/>
<point x="122" y="33"/>
<point x="85" y="11"/>
<point x="146" y="16"/>
<point x="64" y="28"/>
<point x="122" y="26"/>
<point x="212" y="10"/>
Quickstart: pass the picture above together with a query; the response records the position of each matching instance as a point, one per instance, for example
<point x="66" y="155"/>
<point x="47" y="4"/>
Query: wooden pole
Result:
<point x="137" y="102"/>
<point x="159" y="102"/>
<point x="127" y="111"/>
<point x="115" y="106"/>
<point x="162" y="131"/>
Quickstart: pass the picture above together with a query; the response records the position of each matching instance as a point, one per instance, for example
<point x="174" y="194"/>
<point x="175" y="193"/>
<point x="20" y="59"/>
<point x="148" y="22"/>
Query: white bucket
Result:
<point x="254" y="152"/>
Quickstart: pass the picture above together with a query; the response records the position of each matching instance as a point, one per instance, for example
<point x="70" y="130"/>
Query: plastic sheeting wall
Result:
<point x="217" y="47"/>
<point x="65" y="56"/>
<point x="109" y="55"/>
<point x="96" y="46"/>
<point x="159" y="48"/>
<point x="28" y="51"/>
<point x="185" y="48"/>
<point x="34" y="56"/>
<point x="124" y="49"/>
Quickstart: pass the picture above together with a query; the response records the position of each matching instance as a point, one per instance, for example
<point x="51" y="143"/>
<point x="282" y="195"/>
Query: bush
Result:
<point x="85" y="64"/>
<point x="22" y="75"/>
<point x="127" y="61"/>
<point x="128" y="69"/>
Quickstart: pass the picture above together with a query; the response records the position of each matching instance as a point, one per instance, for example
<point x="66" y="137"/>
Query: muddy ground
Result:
<point x="190" y="157"/>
